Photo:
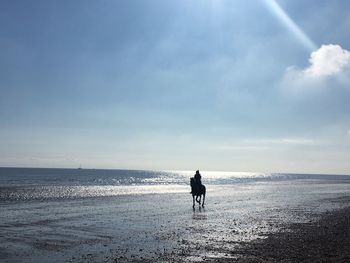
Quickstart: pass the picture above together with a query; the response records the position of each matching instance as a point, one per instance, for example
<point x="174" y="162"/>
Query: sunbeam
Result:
<point x="290" y="24"/>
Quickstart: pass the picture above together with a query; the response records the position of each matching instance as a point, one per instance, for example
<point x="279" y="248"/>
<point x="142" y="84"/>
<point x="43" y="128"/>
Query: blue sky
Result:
<point x="238" y="85"/>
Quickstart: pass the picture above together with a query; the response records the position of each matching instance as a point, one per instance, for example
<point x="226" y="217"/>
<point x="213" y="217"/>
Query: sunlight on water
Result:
<point x="33" y="184"/>
<point x="48" y="192"/>
<point x="219" y="177"/>
<point x="220" y="174"/>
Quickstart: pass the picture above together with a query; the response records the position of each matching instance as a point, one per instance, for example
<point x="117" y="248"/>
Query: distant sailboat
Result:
<point x="80" y="167"/>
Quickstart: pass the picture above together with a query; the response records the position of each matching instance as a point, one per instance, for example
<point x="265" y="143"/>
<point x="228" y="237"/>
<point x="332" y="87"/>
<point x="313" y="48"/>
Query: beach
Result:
<point x="289" y="220"/>
<point x="326" y="239"/>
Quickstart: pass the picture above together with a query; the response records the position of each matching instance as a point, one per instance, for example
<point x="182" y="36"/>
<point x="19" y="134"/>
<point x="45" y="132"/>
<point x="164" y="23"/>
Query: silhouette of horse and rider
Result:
<point x="197" y="189"/>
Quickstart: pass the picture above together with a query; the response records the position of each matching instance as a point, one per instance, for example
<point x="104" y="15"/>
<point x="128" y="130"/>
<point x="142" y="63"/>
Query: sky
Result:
<point x="220" y="85"/>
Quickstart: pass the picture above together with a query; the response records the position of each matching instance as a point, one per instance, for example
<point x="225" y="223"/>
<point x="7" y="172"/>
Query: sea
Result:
<point x="20" y="184"/>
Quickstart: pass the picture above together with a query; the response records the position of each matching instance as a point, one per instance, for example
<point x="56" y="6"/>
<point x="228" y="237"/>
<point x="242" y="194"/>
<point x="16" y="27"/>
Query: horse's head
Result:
<point x="192" y="181"/>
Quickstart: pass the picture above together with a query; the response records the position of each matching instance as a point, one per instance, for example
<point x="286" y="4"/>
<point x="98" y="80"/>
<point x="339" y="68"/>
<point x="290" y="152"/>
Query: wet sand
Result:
<point x="325" y="240"/>
<point x="270" y="222"/>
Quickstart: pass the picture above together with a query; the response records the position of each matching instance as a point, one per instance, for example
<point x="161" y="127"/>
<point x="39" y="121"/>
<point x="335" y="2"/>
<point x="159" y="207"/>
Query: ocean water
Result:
<point x="38" y="184"/>
<point x="41" y="183"/>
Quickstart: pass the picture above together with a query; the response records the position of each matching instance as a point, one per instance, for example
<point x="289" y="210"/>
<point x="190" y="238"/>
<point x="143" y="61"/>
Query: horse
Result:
<point x="197" y="191"/>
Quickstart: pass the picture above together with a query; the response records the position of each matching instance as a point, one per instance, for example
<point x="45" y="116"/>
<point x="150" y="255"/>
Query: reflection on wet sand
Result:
<point x="199" y="214"/>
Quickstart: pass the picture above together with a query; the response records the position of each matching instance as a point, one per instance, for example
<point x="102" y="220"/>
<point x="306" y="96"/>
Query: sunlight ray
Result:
<point x="277" y="10"/>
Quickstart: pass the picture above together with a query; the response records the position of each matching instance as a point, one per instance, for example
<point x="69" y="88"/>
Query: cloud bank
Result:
<point x="329" y="67"/>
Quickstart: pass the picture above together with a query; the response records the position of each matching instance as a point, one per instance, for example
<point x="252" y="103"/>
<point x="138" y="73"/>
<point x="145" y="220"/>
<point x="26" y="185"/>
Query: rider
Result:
<point x="197" y="178"/>
<point x="198" y="181"/>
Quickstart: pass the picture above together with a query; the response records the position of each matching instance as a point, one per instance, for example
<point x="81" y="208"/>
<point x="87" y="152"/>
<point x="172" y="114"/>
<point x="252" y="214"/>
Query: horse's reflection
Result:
<point x="199" y="214"/>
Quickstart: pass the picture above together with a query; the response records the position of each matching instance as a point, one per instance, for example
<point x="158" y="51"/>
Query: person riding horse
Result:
<point x="197" y="188"/>
<point x="197" y="182"/>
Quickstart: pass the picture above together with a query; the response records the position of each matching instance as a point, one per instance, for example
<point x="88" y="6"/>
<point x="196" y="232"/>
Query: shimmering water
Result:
<point x="34" y="183"/>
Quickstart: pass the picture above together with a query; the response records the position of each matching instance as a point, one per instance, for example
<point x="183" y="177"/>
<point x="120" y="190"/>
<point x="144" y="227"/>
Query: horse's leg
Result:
<point x="198" y="199"/>
<point x="193" y="201"/>
<point x="204" y="190"/>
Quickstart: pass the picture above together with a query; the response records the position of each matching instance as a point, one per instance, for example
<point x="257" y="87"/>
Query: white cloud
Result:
<point x="328" y="60"/>
<point x="329" y="67"/>
<point x="283" y="141"/>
